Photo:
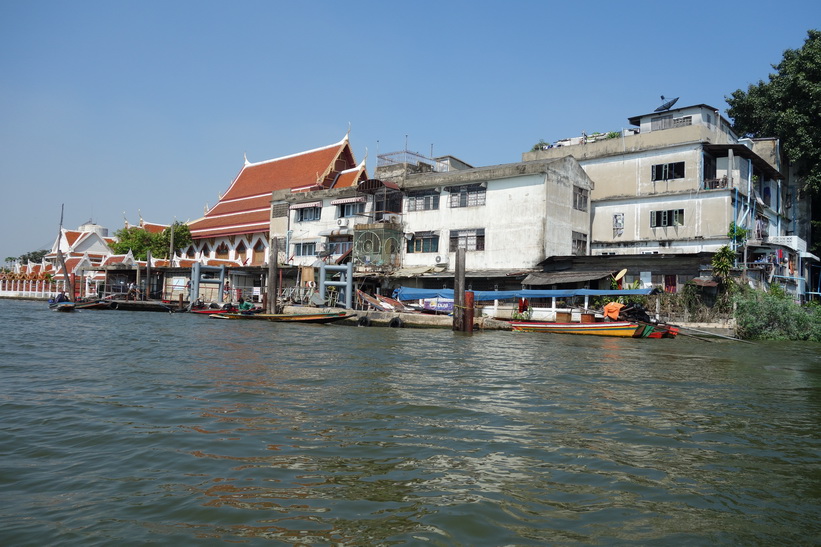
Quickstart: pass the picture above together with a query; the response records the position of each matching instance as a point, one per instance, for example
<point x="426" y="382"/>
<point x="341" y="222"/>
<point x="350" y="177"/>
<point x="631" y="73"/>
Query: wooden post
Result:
<point x="459" y="291"/>
<point x="272" y="285"/>
<point x="147" y="276"/>
<point x="467" y="325"/>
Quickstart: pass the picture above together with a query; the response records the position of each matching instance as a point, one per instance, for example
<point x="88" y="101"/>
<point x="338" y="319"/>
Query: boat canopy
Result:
<point x="410" y="293"/>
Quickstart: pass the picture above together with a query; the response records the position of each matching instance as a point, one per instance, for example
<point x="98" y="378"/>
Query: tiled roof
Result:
<point x="152" y="228"/>
<point x="245" y="207"/>
<point x="72" y="236"/>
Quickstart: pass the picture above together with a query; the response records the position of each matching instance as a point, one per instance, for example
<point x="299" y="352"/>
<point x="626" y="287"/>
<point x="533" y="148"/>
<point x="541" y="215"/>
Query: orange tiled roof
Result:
<point x="72" y="236"/>
<point x="152" y="228"/>
<point x="246" y="206"/>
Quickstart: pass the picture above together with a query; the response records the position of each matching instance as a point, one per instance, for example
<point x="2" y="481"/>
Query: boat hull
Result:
<point x="62" y="306"/>
<point x="622" y="329"/>
<point x="93" y="305"/>
<point x="285" y="317"/>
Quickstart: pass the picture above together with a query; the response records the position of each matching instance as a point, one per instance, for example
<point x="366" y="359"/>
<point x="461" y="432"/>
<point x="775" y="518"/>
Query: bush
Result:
<point x="774" y="316"/>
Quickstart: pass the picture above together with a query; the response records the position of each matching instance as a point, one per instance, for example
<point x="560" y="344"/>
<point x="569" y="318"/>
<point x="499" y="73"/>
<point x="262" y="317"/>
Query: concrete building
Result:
<point x="406" y="224"/>
<point x="675" y="182"/>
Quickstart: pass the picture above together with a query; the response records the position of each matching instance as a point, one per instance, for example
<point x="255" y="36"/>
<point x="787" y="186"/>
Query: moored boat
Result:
<point x="61" y="306"/>
<point x="93" y="305"/>
<point x="287" y="317"/>
<point x="625" y="329"/>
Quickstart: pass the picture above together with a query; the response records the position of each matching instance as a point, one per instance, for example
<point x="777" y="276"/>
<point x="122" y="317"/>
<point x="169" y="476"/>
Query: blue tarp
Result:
<point x="410" y="293"/>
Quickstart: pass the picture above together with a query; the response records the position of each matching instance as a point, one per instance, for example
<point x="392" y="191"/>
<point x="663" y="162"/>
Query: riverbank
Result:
<point x="370" y="318"/>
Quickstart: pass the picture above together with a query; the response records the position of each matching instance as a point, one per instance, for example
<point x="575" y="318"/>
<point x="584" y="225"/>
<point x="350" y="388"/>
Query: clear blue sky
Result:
<point x="126" y="106"/>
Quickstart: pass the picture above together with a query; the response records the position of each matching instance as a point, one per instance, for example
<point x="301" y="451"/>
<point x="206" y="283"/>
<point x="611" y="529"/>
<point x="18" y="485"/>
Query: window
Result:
<point x="424" y="242"/>
<point x="579" y="244"/>
<point x="305" y="249"/>
<point x="618" y="224"/>
<point x="671" y="217"/>
<point x="661" y="122"/>
<point x="471" y="240"/>
<point x="222" y="250"/>
<point x="668" y="122"/>
<point x="580" y="196"/>
<point x="338" y="247"/>
<point x="423" y="201"/>
<point x="682" y="121"/>
<point x="347" y="210"/>
<point x="469" y="195"/>
<point x="308" y="213"/>
<point x="666" y="171"/>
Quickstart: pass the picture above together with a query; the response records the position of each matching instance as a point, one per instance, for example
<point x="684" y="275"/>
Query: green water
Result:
<point x="128" y="428"/>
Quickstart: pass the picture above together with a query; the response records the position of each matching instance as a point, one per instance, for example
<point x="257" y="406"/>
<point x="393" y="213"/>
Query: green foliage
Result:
<point x="182" y="239"/>
<point x="775" y="316"/>
<point x="540" y="145"/>
<point x="612" y="135"/>
<point x="134" y="239"/>
<point x="525" y="315"/>
<point x="139" y="241"/>
<point x="737" y="233"/>
<point x="34" y="256"/>
<point x="723" y="261"/>
<point x="787" y="107"/>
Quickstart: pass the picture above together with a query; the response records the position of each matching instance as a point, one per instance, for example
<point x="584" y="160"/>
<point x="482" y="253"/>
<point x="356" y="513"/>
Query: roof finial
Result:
<point x="245" y="156"/>
<point x="348" y="134"/>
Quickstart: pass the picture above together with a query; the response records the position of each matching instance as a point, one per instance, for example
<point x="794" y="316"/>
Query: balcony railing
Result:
<point x="715" y="184"/>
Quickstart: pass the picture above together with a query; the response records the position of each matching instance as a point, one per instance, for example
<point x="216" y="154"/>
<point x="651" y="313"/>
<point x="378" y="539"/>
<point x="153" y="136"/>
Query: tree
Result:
<point x="788" y="106"/>
<point x="134" y="239"/>
<point x="139" y="241"/>
<point x="182" y="239"/>
<point x="722" y="263"/>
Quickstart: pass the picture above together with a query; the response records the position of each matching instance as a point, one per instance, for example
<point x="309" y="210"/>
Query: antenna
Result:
<point x="666" y="105"/>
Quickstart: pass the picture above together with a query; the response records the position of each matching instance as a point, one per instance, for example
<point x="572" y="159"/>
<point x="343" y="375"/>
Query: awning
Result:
<point x="343" y="231"/>
<point x="357" y="199"/>
<point x="306" y="205"/>
<point x="371" y="186"/>
<point x="411" y="272"/>
<point x="410" y="293"/>
<point x="555" y="278"/>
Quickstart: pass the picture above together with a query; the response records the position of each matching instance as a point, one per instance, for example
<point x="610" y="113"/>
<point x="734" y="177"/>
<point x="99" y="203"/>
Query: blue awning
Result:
<point x="410" y="293"/>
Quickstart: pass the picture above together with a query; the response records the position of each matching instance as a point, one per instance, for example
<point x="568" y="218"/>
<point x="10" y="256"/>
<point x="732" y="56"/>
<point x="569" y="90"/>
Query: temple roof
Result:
<point x="246" y="205"/>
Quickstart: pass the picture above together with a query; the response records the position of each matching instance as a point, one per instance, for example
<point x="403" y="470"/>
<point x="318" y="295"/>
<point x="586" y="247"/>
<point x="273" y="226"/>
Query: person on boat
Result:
<point x="612" y="311"/>
<point x="244" y="305"/>
<point x="62" y="297"/>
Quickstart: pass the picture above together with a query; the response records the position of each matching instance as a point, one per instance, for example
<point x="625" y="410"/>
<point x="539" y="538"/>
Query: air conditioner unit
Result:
<point x="393" y="218"/>
<point x="441" y="259"/>
<point x="342" y="222"/>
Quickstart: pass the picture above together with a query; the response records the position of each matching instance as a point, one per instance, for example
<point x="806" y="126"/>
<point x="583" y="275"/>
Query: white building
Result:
<point x="409" y="224"/>
<point x="676" y="182"/>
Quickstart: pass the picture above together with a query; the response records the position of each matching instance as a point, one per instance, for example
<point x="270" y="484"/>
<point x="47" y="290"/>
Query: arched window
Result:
<point x="259" y="252"/>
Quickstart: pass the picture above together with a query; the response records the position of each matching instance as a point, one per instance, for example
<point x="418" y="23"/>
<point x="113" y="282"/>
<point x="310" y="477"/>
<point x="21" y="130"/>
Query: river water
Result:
<point x="127" y="428"/>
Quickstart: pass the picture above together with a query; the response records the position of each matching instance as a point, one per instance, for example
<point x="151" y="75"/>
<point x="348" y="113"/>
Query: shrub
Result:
<point x="774" y="316"/>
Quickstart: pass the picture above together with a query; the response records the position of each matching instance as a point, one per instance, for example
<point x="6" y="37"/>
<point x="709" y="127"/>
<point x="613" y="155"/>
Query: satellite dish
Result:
<point x="620" y="274"/>
<point x="666" y="105"/>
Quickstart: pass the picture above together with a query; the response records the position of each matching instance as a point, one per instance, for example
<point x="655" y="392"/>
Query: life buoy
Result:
<point x="396" y="323"/>
<point x="364" y="321"/>
<point x="310" y="284"/>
